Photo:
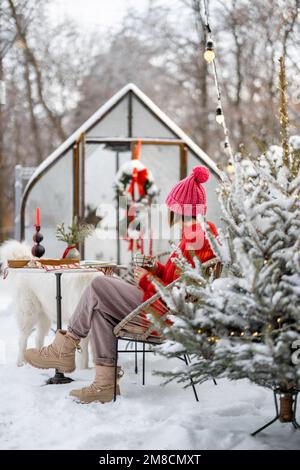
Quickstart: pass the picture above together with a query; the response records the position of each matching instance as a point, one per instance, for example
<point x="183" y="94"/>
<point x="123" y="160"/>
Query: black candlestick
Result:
<point x="37" y="250"/>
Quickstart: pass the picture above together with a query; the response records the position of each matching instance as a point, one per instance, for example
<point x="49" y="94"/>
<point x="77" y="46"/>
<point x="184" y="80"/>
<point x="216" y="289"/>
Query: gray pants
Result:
<point x="103" y="304"/>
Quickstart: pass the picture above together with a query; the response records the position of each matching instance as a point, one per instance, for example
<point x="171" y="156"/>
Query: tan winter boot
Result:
<point x="102" y="389"/>
<point x="60" y="354"/>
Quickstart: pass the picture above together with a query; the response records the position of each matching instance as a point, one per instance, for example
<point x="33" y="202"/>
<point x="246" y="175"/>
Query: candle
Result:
<point x="137" y="150"/>
<point x="38" y="217"/>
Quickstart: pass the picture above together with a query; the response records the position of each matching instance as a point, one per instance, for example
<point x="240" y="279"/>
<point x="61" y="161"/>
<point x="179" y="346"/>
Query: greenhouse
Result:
<point x="77" y="179"/>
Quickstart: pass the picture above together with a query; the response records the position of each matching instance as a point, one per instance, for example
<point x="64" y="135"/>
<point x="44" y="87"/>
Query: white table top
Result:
<point x="65" y="270"/>
<point x="55" y="271"/>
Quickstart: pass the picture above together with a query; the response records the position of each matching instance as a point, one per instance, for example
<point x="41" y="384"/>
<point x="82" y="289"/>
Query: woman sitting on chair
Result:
<point x="107" y="300"/>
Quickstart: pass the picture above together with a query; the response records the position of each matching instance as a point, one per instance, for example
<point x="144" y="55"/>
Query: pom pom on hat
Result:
<point x="200" y="174"/>
<point x="188" y="196"/>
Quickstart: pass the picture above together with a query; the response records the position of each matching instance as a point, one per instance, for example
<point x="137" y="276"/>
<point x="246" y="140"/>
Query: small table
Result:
<point x="59" y="377"/>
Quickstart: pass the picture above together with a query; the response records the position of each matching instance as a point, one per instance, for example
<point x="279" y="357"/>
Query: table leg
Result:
<point x="59" y="377"/>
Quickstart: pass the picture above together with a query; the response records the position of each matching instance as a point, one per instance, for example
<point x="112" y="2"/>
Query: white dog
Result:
<point x="34" y="296"/>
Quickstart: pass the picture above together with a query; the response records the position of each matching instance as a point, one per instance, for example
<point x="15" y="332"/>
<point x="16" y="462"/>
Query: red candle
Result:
<point x="38" y="217"/>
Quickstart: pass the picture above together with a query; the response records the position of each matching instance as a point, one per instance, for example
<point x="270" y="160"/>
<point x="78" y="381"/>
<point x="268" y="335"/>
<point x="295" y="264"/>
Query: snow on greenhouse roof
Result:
<point x="104" y="110"/>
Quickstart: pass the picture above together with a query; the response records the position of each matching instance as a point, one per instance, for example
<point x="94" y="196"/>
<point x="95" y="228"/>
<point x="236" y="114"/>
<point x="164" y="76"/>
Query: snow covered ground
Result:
<point x="33" y="416"/>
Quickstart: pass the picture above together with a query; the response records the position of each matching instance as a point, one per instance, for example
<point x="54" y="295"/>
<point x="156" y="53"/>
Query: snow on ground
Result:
<point x="33" y="416"/>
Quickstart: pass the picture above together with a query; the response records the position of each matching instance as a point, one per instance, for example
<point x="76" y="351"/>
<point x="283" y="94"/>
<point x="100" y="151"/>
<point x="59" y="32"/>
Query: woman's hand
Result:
<point x="154" y="268"/>
<point x="109" y="272"/>
<point x="139" y="273"/>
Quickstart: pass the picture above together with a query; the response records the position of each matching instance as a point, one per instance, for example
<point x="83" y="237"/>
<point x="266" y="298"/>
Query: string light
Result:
<point x="209" y="54"/>
<point x="219" y="115"/>
<point x="213" y="339"/>
<point x="226" y="144"/>
<point x="230" y="169"/>
<point x="255" y="334"/>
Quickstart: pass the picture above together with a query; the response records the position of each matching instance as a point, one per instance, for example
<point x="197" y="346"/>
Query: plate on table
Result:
<point x="17" y="263"/>
<point x="22" y="263"/>
<point x="97" y="263"/>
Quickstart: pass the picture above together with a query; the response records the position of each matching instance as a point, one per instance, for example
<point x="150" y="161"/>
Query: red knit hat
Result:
<point x="188" y="197"/>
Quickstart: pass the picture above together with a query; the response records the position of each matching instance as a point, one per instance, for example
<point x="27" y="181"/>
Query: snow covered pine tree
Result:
<point x="247" y="324"/>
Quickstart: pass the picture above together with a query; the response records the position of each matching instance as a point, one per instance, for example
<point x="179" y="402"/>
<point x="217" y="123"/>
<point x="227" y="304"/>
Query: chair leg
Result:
<point x="144" y="361"/>
<point x="135" y="358"/>
<point x="191" y="379"/>
<point x="116" y="370"/>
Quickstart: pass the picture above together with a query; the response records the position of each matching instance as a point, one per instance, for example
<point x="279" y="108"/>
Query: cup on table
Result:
<point x="144" y="261"/>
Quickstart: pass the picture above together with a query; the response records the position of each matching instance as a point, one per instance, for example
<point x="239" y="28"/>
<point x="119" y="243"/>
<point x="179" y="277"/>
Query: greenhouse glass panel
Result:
<point x="164" y="163"/>
<point x="53" y="193"/>
<point x="145" y="124"/>
<point x="114" y="123"/>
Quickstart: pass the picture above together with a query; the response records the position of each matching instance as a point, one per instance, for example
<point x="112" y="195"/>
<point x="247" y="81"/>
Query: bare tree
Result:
<point x="31" y="60"/>
<point x="44" y="65"/>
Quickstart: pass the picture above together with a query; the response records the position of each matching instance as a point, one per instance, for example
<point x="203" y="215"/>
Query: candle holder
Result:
<point x="37" y="250"/>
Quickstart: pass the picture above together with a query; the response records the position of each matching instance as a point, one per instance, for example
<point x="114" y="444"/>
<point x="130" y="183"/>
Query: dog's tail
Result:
<point x="12" y="249"/>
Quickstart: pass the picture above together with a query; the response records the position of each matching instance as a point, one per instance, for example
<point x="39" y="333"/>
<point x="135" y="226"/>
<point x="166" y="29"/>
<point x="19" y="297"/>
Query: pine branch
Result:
<point x="75" y="233"/>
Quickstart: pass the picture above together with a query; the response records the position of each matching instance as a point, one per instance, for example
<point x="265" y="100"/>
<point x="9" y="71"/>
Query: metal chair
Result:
<point x="136" y="328"/>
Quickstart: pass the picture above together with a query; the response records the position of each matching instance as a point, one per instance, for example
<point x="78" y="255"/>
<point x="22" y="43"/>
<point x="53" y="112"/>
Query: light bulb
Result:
<point x="209" y="53"/>
<point x="219" y="115"/>
<point x="227" y="147"/>
<point x="230" y="168"/>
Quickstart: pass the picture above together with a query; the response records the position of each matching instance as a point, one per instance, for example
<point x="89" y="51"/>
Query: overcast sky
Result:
<point x="98" y="13"/>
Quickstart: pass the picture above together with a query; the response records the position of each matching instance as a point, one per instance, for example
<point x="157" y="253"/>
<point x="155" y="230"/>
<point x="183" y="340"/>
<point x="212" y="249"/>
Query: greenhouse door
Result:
<point x="101" y="163"/>
<point x="96" y="162"/>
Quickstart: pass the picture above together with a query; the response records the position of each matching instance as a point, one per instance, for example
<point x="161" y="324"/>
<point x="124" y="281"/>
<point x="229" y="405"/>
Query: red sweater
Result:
<point x="193" y="243"/>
